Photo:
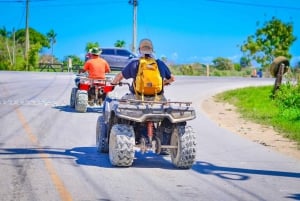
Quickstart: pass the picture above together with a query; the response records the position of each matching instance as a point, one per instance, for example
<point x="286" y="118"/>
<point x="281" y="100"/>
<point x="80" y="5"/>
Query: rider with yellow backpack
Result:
<point x="149" y="74"/>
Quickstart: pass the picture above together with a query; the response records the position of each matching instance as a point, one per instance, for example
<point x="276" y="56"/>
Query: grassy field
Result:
<point x="256" y="104"/>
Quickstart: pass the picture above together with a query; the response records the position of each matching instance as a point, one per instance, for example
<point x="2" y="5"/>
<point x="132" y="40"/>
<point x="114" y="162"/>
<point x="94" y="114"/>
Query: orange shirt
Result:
<point x="97" y="67"/>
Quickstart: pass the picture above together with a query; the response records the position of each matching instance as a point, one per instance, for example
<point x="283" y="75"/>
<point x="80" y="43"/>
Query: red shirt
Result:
<point x="97" y="67"/>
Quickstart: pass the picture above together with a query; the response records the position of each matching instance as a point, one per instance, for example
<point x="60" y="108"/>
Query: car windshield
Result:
<point x="108" y="51"/>
<point x="123" y="53"/>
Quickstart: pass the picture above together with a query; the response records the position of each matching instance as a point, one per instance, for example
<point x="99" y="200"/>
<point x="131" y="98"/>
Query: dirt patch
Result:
<point x="226" y="116"/>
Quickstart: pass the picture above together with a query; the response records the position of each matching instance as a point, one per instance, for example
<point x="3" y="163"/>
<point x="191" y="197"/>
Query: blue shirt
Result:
<point x="131" y="70"/>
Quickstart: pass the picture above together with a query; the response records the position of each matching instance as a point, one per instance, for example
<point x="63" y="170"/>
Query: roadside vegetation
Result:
<point x="282" y="111"/>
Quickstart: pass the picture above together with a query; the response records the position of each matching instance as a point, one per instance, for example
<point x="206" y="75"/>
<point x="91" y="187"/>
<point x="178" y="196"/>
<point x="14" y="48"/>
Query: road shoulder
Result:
<point x="226" y="116"/>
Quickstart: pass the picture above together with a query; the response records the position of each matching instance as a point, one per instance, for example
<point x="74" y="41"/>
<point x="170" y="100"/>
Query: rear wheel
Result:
<point x="101" y="139"/>
<point x="121" y="144"/>
<point x="81" y="101"/>
<point x="184" y="139"/>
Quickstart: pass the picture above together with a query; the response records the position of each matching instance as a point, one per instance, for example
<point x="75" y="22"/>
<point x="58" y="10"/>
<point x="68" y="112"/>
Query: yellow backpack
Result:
<point x="148" y="80"/>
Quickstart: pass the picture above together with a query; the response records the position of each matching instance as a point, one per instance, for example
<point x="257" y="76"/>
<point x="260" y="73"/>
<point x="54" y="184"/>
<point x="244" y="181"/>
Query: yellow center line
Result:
<point x="63" y="192"/>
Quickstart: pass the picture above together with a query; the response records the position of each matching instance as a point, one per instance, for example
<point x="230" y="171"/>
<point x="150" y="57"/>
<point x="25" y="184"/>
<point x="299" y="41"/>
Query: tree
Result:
<point x="37" y="41"/>
<point x="90" y="45"/>
<point x="120" y="43"/>
<point x="5" y="35"/>
<point x="51" y="35"/>
<point x="245" y="62"/>
<point x="272" y="40"/>
<point x="33" y="55"/>
<point x="35" y="37"/>
<point x="75" y="60"/>
<point x="223" y="63"/>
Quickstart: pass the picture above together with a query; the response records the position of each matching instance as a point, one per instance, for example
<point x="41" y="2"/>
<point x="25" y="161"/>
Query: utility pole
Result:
<point x="27" y="34"/>
<point x="134" y="35"/>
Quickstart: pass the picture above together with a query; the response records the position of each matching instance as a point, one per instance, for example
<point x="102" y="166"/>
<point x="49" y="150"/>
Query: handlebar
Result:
<point x="121" y="84"/>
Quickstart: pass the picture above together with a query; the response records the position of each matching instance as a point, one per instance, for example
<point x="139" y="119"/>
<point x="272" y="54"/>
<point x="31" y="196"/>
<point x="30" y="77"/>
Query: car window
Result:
<point x="108" y="51"/>
<point x="123" y="53"/>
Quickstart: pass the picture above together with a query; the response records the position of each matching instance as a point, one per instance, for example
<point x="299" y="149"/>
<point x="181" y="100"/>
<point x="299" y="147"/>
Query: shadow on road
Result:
<point x="233" y="173"/>
<point x="294" y="196"/>
<point x="90" y="157"/>
<point x="84" y="156"/>
<point x="67" y="108"/>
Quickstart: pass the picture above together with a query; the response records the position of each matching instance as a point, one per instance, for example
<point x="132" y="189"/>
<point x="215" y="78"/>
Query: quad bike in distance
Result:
<point x="128" y="125"/>
<point x="89" y="92"/>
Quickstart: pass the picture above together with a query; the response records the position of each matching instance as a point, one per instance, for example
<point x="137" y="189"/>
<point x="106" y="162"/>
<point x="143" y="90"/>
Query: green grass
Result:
<point x="256" y="104"/>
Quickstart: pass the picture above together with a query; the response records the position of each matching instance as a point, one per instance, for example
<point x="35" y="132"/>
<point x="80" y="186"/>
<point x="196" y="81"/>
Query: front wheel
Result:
<point x="101" y="139"/>
<point x="184" y="139"/>
<point x="121" y="144"/>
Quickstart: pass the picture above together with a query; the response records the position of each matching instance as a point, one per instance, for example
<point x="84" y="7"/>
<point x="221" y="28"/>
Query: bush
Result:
<point x="287" y="99"/>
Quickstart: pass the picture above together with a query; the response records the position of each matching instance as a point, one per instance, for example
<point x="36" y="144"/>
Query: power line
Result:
<point x="66" y="2"/>
<point x="58" y="3"/>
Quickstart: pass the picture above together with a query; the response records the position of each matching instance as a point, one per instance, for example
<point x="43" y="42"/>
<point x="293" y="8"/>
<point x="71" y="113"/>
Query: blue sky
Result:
<point x="183" y="31"/>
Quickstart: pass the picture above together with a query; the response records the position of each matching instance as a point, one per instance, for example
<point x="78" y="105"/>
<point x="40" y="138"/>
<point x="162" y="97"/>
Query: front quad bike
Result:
<point x="128" y="124"/>
<point x="89" y="92"/>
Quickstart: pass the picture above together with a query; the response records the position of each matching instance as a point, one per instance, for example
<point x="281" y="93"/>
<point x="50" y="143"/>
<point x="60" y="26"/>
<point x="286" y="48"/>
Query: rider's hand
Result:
<point x="166" y="83"/>
<point x="81" y="71"/>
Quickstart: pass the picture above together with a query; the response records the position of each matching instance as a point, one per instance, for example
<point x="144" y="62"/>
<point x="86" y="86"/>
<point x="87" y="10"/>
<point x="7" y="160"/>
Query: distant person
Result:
<point x="254" y="73"/>
<point x="96" y="66"/>
<point x="260" y="73"/>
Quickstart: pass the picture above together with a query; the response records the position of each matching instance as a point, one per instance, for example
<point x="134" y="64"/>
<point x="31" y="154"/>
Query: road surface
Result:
<point x="47" y="150"/>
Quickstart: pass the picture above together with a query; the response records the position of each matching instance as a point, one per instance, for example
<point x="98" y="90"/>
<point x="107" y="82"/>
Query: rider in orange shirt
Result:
<point x="96" y="66"/>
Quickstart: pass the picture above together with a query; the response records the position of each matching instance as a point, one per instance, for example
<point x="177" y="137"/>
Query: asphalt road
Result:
<point x="47" y="150"/>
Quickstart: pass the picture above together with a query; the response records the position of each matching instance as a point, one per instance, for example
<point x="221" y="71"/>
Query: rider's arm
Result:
<point x="165" y="72"/>
<point x="169" y="81"/>
<point x="128" y="72"/>
<point x="117" y="78"/>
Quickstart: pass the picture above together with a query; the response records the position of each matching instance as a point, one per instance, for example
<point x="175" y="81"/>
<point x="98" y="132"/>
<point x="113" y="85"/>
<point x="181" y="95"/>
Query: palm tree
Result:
<point x="120" y="43"/>
<point x="51" y="35"/>
<point x="90" y="45"/>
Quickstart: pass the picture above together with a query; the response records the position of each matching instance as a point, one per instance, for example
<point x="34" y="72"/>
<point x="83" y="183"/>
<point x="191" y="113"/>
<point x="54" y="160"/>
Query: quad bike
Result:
<point x="128" y="125"/>
<point x="89" y="92"/>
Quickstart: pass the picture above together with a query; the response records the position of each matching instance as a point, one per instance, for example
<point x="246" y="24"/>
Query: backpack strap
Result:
<point x="138" y="73"/>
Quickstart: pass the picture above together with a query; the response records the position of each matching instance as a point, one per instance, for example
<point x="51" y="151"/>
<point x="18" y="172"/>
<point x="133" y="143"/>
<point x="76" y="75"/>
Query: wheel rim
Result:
<point x="174" y="142"/>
